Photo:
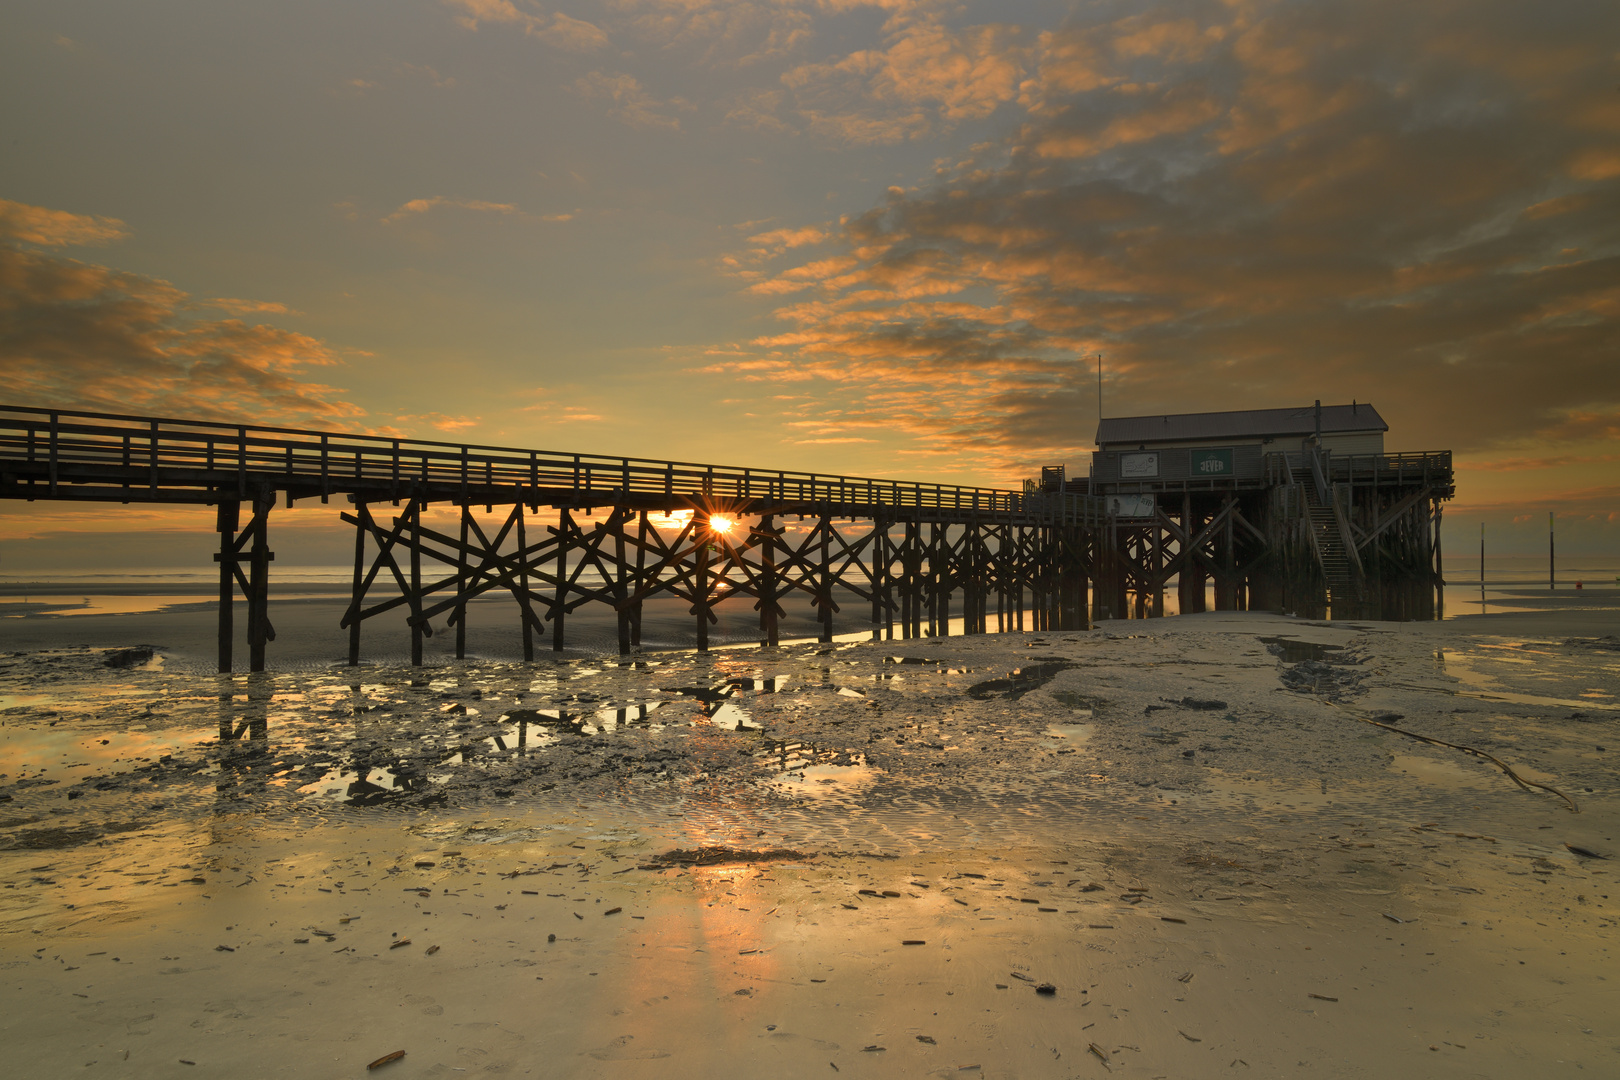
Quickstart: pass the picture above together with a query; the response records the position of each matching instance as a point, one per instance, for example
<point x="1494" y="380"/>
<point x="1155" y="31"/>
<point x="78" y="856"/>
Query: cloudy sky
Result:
<point x="886" y="238"/>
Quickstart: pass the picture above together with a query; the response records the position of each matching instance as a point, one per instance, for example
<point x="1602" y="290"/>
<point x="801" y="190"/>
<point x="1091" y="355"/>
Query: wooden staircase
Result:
<point x="1329" y="541"/>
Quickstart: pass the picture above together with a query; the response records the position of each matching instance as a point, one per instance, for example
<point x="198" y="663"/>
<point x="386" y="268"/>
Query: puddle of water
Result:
<point x="1485" y="687"/>
<point x="64" y="606"/>
<point x="733" y="717"/>
<point x="1019" y="681"/>
<point x="521" y="737"/>
<point x="1292" y="651"/>
<point x="375" y="786"/>
<point x="1079" y="704"/>
<point x="1073" y="734"/>
<point x="775" y="684"/>
<point x="821" y="781"/>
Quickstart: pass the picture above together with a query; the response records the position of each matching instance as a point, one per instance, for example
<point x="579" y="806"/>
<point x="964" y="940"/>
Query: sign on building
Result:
<point x="1139" y="466"/>
<point x="1131" y="506"/>
<point x="1212" y="462"/>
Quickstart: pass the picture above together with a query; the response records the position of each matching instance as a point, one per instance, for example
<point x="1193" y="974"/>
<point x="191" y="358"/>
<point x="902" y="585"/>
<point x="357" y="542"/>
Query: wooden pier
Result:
<point x="706" y="534"/>
<point x="1312" y="524"/>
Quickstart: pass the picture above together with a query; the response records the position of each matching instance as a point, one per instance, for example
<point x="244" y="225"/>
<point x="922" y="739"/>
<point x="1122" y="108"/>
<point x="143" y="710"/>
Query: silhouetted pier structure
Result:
<point x="702" y="533"/>
<point x="1295" y="510"/>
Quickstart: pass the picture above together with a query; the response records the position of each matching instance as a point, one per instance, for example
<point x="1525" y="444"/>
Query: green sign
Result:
<point x="1212" y="462"/>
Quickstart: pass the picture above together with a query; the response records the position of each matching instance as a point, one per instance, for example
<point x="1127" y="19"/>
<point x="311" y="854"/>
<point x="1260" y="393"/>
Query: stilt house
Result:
<point x="1296" y="509"/>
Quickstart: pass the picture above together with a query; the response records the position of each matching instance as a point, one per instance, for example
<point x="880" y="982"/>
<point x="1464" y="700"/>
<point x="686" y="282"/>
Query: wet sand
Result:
<point x="1185" y="827"/>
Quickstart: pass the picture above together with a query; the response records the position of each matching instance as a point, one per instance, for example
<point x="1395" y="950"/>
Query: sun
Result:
<point x="721" y="525"/>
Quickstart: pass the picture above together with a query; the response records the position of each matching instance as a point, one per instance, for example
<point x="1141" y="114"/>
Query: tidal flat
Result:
<point x="1169" y="848"/>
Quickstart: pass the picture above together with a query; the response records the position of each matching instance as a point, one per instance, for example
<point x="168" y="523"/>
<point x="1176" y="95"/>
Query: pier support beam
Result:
<point x="700" y="591"/>
<point x="357" y="589"/>
<point x="565" y="534"/>
<point x="768" y="585"/>
<point x="226" y="523"/>
<point x="418" y="627"/>
<point x="260" y="632"/>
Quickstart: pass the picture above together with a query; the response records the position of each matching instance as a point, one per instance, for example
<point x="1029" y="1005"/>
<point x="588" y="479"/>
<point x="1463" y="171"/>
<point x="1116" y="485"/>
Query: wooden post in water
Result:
<point x="908" y="579"/>
<point x="461" y="586"/>
<point x="418" y="631"/>
<point x="1020" y="571"/>
<point x="361" y="513"/>
<point x="565" y="530"/>
<point x="1225" y="586"/>
<point x="700" y="532"/>
<point x="523" y="583"/>
<point x="767" y="582"/>
<point x="225" y="521"/>
<point x="1157" y="581"/>
<point x="643" y="526"/>
<point x="973" y="574"/>
<point x="930" y="581"/>
<point x="999" y="562"/>
<point x="879" y="574"/>
<point x="259" y="629"/>
<point x="1438" y="565"/>
<point x="824" y="586"/>
<point x="621" y="586"/>
<point x="1184" y="562"/>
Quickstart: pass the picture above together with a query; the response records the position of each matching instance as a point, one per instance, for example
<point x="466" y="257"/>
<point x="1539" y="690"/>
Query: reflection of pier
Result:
<point x="704" y="534"/>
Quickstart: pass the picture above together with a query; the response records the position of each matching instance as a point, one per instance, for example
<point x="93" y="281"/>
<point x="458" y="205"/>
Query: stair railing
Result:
<point x="1315" y="454"/>
<point x="1346" y="537"/>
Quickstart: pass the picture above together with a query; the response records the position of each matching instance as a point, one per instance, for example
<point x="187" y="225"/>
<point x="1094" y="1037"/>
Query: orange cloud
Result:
<point x="562" y="31"/>
<point x="422" y="206"/>
<point x="631" y="102"/>
<point x="780" y="240"/>
<point x="441" y="422"/>
<point x="20" y="222"/>
<point x="926" y="74"/>
<point x="735" y="33"/>
<point x="1239" y="207"/>
<point x="78" y="335"/>
<point x="249" y="307"/>
<point x="1178" y="110"/>
<point x="1596" y="163"/>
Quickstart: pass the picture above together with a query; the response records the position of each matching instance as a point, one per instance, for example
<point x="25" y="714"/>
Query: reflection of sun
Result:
<point x="720" y="524"/>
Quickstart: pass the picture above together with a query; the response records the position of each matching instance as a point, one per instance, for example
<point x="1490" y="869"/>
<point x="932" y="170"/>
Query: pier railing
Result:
<point x="1425" y="468"/>
<point x="63" y="454"/>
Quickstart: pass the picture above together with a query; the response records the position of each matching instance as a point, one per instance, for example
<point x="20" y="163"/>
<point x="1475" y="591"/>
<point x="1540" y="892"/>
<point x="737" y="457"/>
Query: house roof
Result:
<point x="1244" y="424"/>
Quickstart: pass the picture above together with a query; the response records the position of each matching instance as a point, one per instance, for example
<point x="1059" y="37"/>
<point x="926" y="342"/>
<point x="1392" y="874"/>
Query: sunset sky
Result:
<point x="881" y="238"/>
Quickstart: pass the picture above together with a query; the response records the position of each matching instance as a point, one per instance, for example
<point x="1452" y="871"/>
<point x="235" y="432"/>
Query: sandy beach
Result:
<point x="1167" y="848"/>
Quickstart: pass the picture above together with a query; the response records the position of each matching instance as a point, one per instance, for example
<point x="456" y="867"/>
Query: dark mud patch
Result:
<point x="1020" y="681"/>
<point x="721" y="856"/>
<point x="1321" y="677"/>
<point x="1607" y="643"/>
<point x="128" y="658"/>
<point x="55" y="839"/>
